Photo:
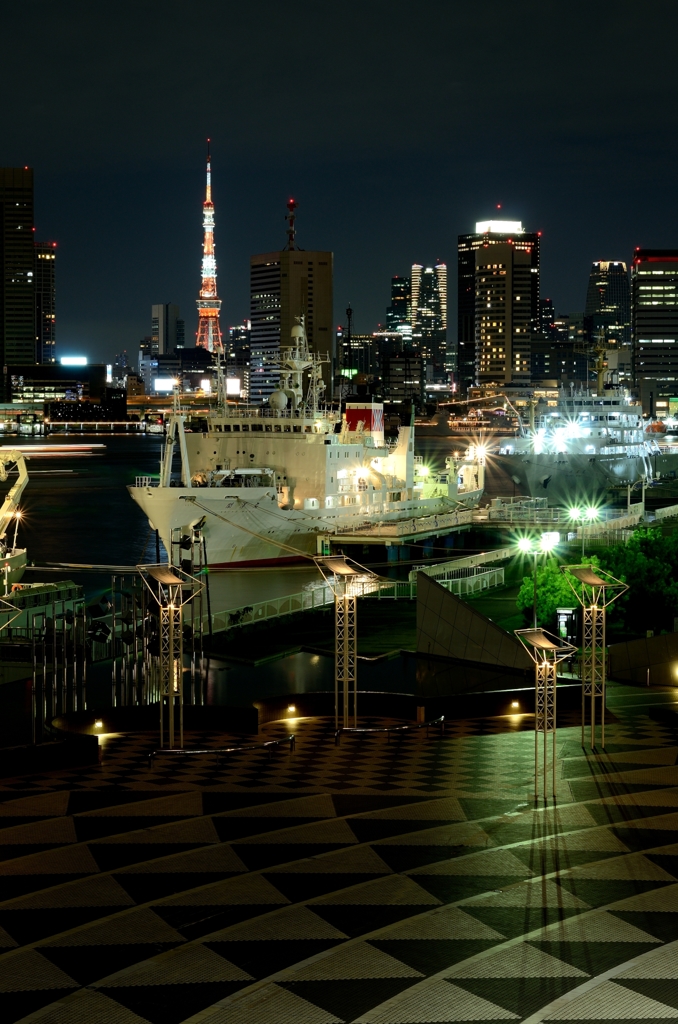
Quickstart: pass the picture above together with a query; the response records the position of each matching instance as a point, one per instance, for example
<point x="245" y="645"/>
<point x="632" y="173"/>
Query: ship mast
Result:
<point x="209" y="305"/>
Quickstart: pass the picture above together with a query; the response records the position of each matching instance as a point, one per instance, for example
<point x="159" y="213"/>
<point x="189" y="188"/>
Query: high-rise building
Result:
<point x="403" y="380"/>
<point x="284" y="285"/>
<point x="429" y="314"/>
<point x="237" y="353"/>
<point x="415" y="284"/>
<point x="17" y="269"/>
<point x="504" y="321"/>
<point x="167" y="329"/>
<point x="547" y="317"/>
<point x="520" y="249"/>
<point x="399" y="312"/>
<point x="654" y="317"/>
<point x="44" y="278"/>
<point x="209" y="304"/>
<point x="608" y="303"/>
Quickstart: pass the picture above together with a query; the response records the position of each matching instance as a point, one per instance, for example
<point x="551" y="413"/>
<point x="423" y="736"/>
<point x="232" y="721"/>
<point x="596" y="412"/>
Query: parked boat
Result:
<point x="270" y="484"/>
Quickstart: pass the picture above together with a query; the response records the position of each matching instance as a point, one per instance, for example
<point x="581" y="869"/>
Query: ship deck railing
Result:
<point x="320" y="596"/>
<point x="408" y="527"/>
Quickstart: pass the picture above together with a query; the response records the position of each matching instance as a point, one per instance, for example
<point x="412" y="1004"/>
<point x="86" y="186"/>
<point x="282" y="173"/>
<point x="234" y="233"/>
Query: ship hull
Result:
<point x="257" y="532"/>
<point x="567" y="479"/>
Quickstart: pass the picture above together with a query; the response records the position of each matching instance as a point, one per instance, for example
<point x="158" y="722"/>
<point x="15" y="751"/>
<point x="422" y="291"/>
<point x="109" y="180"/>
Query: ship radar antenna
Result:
<point x="290" y="217"/>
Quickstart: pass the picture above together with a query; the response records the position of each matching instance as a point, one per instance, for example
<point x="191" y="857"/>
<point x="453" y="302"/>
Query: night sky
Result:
<point x="396" y="125"/>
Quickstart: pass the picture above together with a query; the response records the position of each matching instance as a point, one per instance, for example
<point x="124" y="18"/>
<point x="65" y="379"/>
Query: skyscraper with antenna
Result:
<point x="209" y="305"/>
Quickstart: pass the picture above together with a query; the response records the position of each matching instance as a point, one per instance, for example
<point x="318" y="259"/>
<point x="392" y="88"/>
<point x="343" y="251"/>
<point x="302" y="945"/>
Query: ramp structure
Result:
<point x="449" y="628"/>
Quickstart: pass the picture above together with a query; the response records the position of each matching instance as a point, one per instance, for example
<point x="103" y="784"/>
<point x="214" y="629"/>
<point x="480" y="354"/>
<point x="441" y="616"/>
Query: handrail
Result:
<point x="388" y="729"/>
<point x="224" y="750"/>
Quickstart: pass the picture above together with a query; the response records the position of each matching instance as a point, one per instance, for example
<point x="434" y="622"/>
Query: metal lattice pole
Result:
<point x="171" y="664"/>
<point x="545" y="722"/>
<point x="546" y="651"/>
<point x="346" y="579"/>
<point x="598" y="590"/>
<point x="171" y="588"/>
<point x="345" y="676"/>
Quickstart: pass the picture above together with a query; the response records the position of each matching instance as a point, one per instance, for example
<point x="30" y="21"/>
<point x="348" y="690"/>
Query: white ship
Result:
<point x="273" y="484"/>
<point x="12" y="558"/>
<point x="581" y="448"/>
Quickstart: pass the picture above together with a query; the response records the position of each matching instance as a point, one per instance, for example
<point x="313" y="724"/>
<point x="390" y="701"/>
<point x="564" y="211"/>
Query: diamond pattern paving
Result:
<point x="371" y="882"/>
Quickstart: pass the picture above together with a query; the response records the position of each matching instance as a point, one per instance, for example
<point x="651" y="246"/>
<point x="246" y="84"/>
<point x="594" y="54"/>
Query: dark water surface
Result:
<point x="77" y="509"/>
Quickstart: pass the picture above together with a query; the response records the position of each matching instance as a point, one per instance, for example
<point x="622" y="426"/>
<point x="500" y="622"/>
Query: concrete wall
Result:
<point x="630" y="661"/>
<point x="448" y="628"/>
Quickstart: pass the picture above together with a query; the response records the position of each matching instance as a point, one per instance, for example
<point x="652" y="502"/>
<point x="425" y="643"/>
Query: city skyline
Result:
<point x="119" y="176"/>
<point x="369" y="317"/>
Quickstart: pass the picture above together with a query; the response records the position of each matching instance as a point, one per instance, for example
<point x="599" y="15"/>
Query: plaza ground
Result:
<point x="373" y="882"/>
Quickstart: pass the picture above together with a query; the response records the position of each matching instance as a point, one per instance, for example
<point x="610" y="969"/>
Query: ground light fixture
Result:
<point x="544" y="544"/>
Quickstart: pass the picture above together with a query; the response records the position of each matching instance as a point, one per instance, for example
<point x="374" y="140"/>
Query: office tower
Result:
<point x="399" y="312"/>
<point x="525" y="247"/>
<point x="17" y="269"/>
<point x="45" y="301"/>
<point x="403" y="380"/>
<point x="415" y="284"/>
<point x="237" y="356"/>
<point x="429" y="314"/>
<point x="547" y="317"/>
<point x="284" y="285"/>
<point x="654" y="322"/>
<point x="167" y="329"/>
<point x="607" y="314"/>
<point x="209" y="305"/>
<point x="504" y="320"/>
<point x="356" y="353"/>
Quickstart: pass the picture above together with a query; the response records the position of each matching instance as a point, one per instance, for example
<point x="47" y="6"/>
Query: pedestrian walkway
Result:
<point x="370" y="882"/>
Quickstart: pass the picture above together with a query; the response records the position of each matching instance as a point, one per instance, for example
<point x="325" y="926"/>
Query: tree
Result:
<point x="553" y="592"/>
<point x="649" y="564"/>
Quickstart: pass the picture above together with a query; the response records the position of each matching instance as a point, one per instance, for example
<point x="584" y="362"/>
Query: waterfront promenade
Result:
<point x="371" y="882"/>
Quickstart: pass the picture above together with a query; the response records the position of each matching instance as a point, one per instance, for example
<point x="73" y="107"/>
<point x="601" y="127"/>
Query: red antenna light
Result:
<point x="499" y="206"/>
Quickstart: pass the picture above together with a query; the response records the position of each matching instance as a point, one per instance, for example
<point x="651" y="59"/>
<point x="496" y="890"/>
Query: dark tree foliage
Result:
<point x="649" y="564"/>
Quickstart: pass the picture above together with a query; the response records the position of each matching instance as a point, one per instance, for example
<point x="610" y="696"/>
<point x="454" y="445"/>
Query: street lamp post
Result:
<point x="597" y="590"/>
<point x="535" y="547"/>
<point x="581" y="516"/>
<point x="171" y="588"/>
<point x="348" y="580"/>
<point x="546" y="651"/>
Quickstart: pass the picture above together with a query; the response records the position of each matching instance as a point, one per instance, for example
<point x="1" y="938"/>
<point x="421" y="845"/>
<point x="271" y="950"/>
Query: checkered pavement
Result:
<point x="372" y="883"/>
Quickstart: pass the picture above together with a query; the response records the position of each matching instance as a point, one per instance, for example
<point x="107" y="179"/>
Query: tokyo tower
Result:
<point x="209" y="333"/>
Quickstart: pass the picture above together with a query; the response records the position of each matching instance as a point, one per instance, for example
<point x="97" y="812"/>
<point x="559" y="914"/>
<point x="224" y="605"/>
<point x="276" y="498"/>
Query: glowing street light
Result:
<point x="590" y="514"/>
<point x="542" y="545"/>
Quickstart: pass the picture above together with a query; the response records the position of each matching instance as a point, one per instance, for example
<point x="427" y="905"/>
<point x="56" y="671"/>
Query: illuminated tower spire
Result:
<point x="209" y="333"/>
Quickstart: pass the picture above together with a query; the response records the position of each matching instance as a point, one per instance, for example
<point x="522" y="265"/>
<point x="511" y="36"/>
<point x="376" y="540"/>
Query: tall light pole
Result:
<point x="348" y="581"/>
<point x="542" y="545"/>
<point x="171" y="588"/>
<point x="597" y="591"/>
<point x="546" y="651"/>
<point x="581" y="516"/>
